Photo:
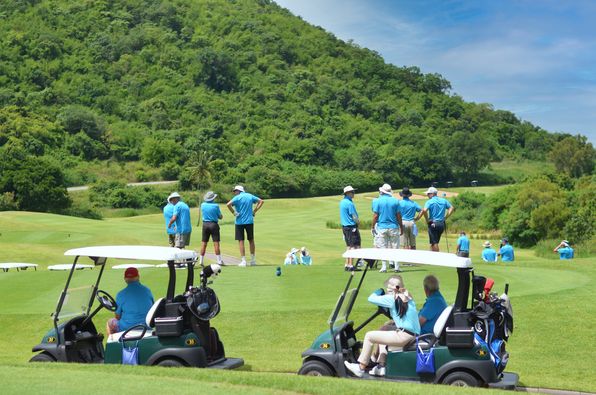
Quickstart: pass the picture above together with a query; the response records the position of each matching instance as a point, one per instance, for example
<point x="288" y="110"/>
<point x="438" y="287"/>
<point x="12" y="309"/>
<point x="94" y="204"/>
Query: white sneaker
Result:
<point x="383" y="271"/>
<point x="378" y="370"/>
<point x="354" y="368"/>
<point x="242" y="264"/>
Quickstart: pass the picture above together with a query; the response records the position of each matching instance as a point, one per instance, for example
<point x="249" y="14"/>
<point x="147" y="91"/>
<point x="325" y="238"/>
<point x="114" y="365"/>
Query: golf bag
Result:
<point x="492" y="319"/>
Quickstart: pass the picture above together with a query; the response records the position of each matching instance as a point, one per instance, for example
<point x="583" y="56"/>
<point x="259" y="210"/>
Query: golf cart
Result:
<point x="468" y="342"/>
<point x="177" y="329"/>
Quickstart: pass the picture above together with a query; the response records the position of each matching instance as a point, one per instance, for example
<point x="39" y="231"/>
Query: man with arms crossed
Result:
<point x="241" y="206"/>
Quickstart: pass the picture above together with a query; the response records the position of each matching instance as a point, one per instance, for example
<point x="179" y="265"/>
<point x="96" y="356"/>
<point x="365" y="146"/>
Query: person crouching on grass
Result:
<point x="211" y="214"/>
<point x="403" y="311"/>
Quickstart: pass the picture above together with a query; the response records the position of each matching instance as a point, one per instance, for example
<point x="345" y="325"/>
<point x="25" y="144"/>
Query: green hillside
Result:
<point x="227" y="92"/>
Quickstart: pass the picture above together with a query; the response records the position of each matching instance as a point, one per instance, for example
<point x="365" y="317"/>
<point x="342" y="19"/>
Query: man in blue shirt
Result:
<point x="211" y="215"/>
<point x="434" y="305"/>
<point x="241" y="206"/>
<point x="488" y="253"/>
<point x="436" y="210"/>
<point x="168" y="211"/>
<point x="564" y="249"/>
<point x="349" y="220"/>
<point x="408" y="209"/>
<point x="386" y="223"/>
<point x="133" y="303"/>
<point x="506" y="251"/>
<point x="463" y="245"/>
<point x="181" y="217"/>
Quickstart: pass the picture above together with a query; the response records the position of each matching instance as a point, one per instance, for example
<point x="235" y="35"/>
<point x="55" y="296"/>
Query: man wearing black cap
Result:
<point x="409" y="209"/>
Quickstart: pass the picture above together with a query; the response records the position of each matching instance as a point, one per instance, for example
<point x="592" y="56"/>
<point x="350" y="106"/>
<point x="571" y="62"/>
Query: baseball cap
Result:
<point x="431" y="190"/>
<point x="386" y="189"/>
<point x="238" y="188"/>
<point x="131" y="272"/>
<point x="349" y="189"/>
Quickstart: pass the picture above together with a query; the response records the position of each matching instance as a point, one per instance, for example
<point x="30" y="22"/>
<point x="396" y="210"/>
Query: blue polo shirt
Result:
<point x="489" y="255"/>
<point x="432" y="309"/>
<point x="409" y="209"/>
<point x="463" y="243"/>
<point x="437" y="207"/>
<point x="168" y="212"/>
<point x="386" y="207"/>
<point x="565" y="253"/>
<point x="243" y="204"/>
<point x="134" y="303"/>
<point x="346" y="212"/>
<point x="408" y="322"/>
<point x="507" y="253"/>
<point x="182" y="213"/>
<point x="210" y="212"/>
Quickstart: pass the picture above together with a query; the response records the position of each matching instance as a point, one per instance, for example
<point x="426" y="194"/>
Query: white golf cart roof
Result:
<point x="410" y="256"/>
<point x="151" y="253"/>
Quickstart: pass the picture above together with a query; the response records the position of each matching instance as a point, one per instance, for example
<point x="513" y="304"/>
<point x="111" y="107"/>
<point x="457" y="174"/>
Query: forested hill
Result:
<point x="241" y="90"/>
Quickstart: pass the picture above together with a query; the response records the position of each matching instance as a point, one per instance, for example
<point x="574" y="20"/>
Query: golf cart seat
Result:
<point x="153" y="311"/>
<point x="428" y="340"/>
<point x="115" y="337"/>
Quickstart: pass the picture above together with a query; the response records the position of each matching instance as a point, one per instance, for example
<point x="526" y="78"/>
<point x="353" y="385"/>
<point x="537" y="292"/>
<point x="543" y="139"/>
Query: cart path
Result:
<point x="130" y="184"/>
<point x="228" y="259"/>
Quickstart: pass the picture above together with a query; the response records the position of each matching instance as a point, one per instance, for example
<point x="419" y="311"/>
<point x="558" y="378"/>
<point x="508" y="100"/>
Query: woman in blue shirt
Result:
<point x="408" y="326"/>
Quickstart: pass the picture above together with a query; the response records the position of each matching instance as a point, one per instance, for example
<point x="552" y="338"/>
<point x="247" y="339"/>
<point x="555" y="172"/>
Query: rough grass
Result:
<point x="270" y="320"/>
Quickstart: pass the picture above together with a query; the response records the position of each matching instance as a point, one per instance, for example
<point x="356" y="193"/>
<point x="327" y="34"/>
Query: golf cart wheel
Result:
<point x="170" y="363"/>
<point x="42" y="357"/>
<point x="461" y="379"/>
<point x="316" y="368"/>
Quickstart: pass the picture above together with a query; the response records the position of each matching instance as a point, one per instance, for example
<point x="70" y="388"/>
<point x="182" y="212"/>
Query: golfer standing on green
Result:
<point x="438" y="209"/>
<point x="181" y="217"/>
<point x="349" y="223"/>
<point x="241" y="206"/>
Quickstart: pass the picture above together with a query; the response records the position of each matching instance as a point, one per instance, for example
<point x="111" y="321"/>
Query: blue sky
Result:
<point x="536" y="58"/>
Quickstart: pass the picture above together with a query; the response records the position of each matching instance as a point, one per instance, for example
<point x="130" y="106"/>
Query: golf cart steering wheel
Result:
<point x="106" y="300"/>
<point x="384" y="311"/>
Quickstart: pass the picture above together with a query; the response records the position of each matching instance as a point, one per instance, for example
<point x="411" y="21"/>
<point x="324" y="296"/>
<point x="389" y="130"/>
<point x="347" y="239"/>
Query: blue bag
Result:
<point x="425" y="361"/>
<point x="130" y="355"/>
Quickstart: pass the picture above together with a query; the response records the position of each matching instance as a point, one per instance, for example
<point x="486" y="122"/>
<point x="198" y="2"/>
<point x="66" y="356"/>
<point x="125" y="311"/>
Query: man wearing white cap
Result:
<point x="349" y="220"/>
<point x="211" y="215"/>
<point x="436" y="210"/>
<point x="387" y="224"/>
<point x="564" y="249"/>
<point x="181" y="217"/>
<point x="241" y="206"/>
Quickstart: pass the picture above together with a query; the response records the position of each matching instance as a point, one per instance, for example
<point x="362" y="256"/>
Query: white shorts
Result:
<point x="387" y="238"/>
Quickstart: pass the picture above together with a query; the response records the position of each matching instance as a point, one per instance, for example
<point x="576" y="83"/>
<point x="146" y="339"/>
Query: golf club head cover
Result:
<point x="213" y="269"/>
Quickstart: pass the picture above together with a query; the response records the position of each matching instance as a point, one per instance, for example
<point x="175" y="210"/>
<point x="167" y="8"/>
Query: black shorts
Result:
<point x="250" y="232"/>
<point x="351" y="236"/>
<point x="210" y="229"/>
<point x="435" y="230"/>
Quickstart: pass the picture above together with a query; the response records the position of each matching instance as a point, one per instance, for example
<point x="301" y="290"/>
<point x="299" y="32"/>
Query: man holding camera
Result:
<point x="436" y="210"/>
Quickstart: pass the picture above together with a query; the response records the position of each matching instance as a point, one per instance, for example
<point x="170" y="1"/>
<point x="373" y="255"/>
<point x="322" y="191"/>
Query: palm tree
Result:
<point x="199" y="166"/>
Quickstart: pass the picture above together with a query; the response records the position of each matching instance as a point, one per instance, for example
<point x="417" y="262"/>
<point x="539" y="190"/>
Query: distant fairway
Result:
<point x="270" y="320"/>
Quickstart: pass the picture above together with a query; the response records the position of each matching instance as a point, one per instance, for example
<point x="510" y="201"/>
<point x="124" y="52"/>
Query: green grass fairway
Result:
<point x="269" y="320"/>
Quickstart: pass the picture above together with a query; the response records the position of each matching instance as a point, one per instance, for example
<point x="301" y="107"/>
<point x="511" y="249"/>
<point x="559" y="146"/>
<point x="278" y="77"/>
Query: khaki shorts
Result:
<point x="408" y="239"/>
<point x="182" y="240"/>
<point x="172" y="240"/>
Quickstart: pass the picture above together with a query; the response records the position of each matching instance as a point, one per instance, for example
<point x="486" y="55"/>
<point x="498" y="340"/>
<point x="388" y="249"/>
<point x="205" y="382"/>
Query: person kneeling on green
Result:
<point x="133" y="303"/>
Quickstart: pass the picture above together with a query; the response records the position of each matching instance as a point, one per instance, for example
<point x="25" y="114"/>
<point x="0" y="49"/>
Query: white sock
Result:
<point x="201" y="259"/>
<point x="384" y="266"/>
<point x="243" y="258"/>
<point x="219" y="260"/>
<point x="252" y="257"/>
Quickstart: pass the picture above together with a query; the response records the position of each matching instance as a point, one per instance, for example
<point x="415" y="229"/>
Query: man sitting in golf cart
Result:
<point x="403" y="311"/>
<point x="133" y="303"/>
<point x="433" y="306"/>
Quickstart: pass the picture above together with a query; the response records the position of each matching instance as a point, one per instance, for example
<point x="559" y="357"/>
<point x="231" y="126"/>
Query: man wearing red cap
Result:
<point x="133" y="302"/>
